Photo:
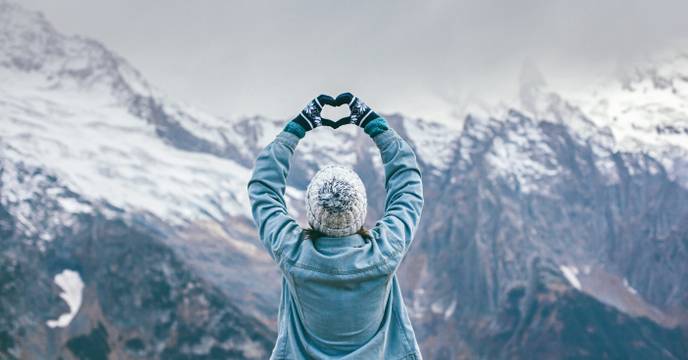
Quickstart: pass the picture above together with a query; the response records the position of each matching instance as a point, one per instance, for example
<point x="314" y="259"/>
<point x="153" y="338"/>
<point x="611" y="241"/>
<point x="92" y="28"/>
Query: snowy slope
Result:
<point x="433" y="142"/>
<point x="103" y="152"/>
<point x="646" y="110"/>
<point x="641" y="110"/>
<point x="66" y="106"/>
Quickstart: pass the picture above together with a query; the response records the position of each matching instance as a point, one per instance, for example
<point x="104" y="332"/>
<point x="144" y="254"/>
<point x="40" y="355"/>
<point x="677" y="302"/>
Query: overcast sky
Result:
<point x="423" y="58"/>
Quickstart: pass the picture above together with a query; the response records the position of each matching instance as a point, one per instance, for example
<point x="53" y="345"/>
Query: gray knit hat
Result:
<point x="336" y="201"/>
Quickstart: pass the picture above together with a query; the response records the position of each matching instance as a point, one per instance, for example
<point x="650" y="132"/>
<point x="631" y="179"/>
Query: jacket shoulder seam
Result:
<point x="380" y="264"/>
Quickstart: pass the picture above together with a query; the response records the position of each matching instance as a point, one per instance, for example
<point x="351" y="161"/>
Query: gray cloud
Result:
<point x="418" y="57"/>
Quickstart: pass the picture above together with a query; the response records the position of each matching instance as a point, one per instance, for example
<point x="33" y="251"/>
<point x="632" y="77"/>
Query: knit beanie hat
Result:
<point x="336" y="201"/>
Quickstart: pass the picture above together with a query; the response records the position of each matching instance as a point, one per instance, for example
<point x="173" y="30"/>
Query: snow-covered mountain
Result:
<point x="549" y="224"/>
<point x="645" y="109"/>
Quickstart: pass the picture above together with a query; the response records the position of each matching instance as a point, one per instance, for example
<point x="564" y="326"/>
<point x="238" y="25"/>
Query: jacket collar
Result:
<point x="353" y="240"/>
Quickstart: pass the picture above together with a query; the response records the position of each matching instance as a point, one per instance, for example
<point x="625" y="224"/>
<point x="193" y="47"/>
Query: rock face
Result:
<point x="548" y="318"/>
<point x="479" y="232"/>
<point x="556" y="227"/>
<point x="139" y="299"/>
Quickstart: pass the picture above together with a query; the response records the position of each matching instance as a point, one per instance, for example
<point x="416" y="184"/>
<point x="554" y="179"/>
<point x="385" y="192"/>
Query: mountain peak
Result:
<point x="30" y="44"/>
<point x="26" y="37"/>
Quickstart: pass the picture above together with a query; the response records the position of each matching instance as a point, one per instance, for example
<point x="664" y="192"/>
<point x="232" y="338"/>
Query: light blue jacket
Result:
<point x="340" y="295"/>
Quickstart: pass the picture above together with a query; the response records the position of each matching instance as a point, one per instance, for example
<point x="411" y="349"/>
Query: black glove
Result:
<point x="361" y="114"/>
<point x="309" y="118"/>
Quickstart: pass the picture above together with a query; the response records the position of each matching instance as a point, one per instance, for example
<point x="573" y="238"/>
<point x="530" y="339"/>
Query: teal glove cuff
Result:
<point x="296" y="129"/>
<point x="376" y="127"/>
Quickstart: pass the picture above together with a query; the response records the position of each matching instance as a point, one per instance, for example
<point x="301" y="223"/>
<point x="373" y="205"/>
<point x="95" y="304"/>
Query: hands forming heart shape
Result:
<point x="342" y="99"/>
<point x="361" y="114"/>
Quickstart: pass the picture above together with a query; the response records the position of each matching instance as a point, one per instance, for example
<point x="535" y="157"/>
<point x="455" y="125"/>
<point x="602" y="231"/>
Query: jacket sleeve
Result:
<point x="278" y="232"/>
<point x="404" y="198"/>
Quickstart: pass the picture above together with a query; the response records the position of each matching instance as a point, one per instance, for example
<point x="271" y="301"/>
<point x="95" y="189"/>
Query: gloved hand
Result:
<point x="309" y="118"/>
<point x="361" y="114"/>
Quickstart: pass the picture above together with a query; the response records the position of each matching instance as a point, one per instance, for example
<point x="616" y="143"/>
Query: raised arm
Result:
<point x="277" y="230"/>
<point x="403" y="183"/>
<point x="404" y="190"/>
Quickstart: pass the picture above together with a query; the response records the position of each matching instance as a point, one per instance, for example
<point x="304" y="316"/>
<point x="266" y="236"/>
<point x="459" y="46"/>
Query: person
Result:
<point x="340" y="294"/>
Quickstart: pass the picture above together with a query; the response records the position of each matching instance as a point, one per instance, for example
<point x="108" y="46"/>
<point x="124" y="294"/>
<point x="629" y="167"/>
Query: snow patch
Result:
<point x="433" y="141"/>
<point x="629" y="287"/>
<point x="570" y="273"/>
<point x="73" y="206"/>
<point x="72" y="291"/>
<point x="450" y="310"/>
<point x="522" y="159"/>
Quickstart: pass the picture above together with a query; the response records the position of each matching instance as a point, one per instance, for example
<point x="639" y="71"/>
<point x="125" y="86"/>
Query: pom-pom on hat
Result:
<point x="336" y="201"/>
